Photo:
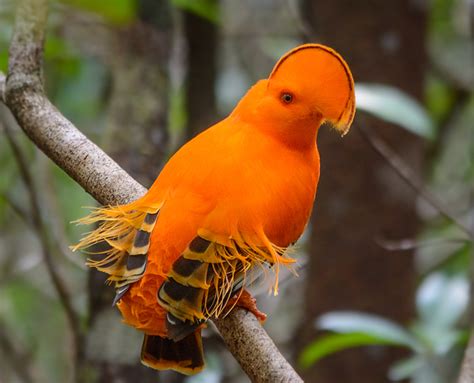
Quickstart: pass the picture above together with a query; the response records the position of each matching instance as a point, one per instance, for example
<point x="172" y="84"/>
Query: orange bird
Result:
<point x="227" y="204"/>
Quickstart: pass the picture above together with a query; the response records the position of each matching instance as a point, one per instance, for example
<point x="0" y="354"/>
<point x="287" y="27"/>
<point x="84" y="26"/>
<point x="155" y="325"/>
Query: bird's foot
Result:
<point x="246" y="301"/>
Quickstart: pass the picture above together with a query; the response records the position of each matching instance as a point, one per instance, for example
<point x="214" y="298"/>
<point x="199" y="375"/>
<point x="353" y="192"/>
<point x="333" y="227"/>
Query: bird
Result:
<point x="227" y="206"/>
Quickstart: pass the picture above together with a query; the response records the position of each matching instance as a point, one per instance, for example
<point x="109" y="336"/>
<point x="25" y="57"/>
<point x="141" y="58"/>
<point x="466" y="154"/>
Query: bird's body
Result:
<point x="200" y="185"/>
<point x="230" y="200"/>
<point x="225" y="164"/>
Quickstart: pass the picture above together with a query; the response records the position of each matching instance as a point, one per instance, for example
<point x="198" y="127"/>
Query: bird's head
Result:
<point x="309" y="85"/>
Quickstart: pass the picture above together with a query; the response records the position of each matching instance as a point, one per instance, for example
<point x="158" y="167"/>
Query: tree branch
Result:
<point x="254" y="350"/>
<point x="105" y="180"/>
<point x="57" y="137"/>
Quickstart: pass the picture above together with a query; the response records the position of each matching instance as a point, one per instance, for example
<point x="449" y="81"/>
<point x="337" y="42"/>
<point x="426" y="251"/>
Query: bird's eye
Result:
<point x="286" y="97"/>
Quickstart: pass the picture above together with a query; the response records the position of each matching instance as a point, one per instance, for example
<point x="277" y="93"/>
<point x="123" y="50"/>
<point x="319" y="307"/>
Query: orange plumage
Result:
<point x="225" y="206"/>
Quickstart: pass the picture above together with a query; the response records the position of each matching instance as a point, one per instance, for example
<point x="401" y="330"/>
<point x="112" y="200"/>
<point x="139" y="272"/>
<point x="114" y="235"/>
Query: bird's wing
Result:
<point x="126" y="230"/>
<point x="206" y="275"/>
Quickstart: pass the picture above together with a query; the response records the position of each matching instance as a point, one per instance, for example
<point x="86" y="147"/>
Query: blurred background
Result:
<point x="385" y="266"/>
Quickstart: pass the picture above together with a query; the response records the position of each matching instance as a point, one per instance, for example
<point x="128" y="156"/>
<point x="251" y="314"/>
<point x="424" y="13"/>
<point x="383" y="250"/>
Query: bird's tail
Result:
<point x="184" y="356"/>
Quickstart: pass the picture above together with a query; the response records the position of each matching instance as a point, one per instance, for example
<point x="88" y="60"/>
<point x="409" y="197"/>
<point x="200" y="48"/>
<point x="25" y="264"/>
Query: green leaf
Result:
<point x="439" y="98"/>
<point x="333" y="343"/>
<point x="406" y="368"/>
<point x="439" y="340"/>
<point x="441" y="300"/>
<point x="207" y="9"/>
<point x="371" y="325"/>
<point x="395" y="106"/>
<point x="458" y="261"/>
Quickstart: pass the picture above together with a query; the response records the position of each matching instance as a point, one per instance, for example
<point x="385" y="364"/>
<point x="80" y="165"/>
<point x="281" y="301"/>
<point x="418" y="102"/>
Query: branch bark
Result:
<point x="254" y="350"/>
<point x="104" y="179"/>
<point x="57" y="137"/>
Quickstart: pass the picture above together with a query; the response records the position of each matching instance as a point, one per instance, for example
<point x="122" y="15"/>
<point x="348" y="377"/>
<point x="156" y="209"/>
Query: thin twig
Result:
<point x="412" y="244"/>
<point x="102" y="178"/>
<point x="42" y="233"/>
<point x="412" y="179"/>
